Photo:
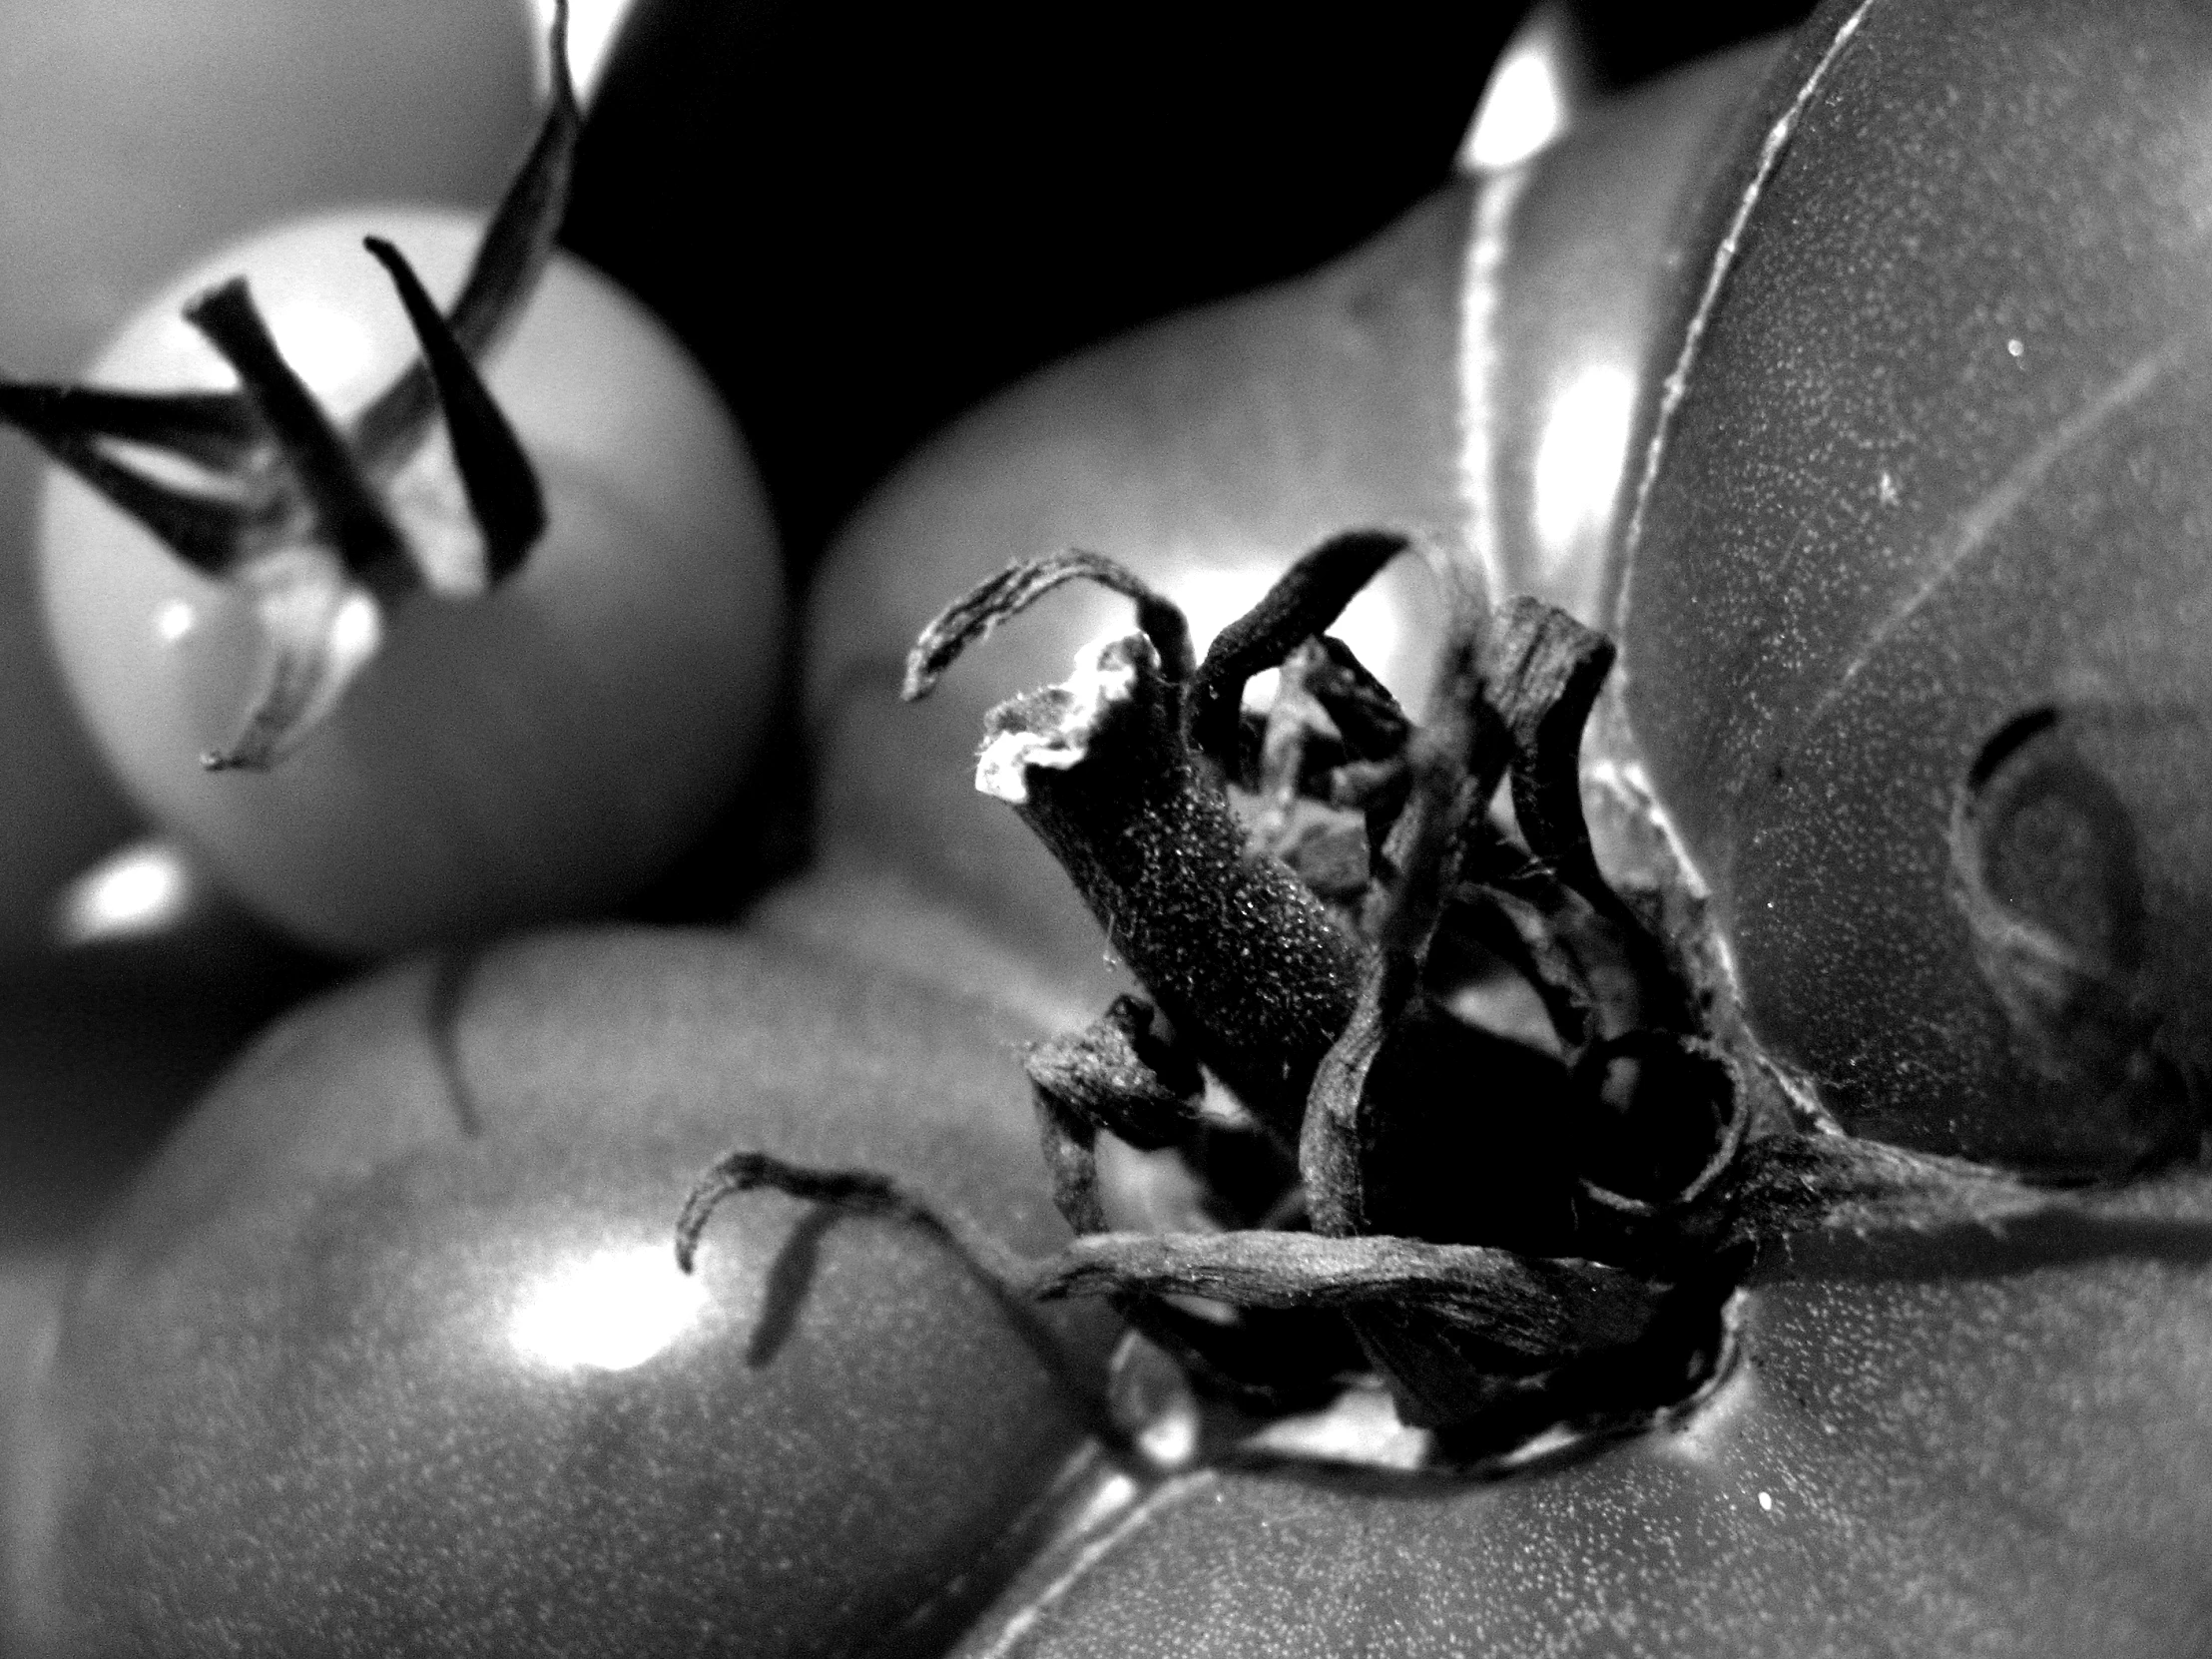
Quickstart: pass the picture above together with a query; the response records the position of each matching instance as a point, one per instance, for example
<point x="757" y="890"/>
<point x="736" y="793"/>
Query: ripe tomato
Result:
<point x="135" y="135"/>
<point x="1929" y="471"/>
<point x="1867" y="551"/>
<point x="387" y="1353"/>
<point x="538" y="751"/>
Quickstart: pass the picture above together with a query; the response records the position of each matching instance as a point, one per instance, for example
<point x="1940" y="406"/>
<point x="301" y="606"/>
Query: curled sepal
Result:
<point x="1116" y="1076"/>
<point x="321" y="626"/>
<point x="1013" y="590"/>
<point x="334" y="497"/>
<point x="215" y="430"/>
<point x="518" y="242"/>
<point x="1304" y="601"/>
<point x="68" y="422"/>
<point x="1836" y="1205"/>
<point x="1112" y="1075"/>
<point x="504" y="496"/>
<point x="1548" y="670"/>
<point x="1538" y="1308"/>
<point x="1008" y="1276"/>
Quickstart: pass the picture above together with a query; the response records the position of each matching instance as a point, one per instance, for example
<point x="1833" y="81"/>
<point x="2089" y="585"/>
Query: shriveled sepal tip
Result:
<point x="303" y="516"/>
<point x="978" y="612"/>
<point x="1053" y="729"/>
<point x="504" y="496"/>
<point x="322" y="628"/>
<point x="1302" y="602"/>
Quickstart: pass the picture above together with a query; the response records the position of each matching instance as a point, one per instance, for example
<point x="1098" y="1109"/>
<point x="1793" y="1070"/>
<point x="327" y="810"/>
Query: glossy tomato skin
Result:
<point x="1203" y="452"/>
<point x="1574" y="275"/>
<point x="1936" y="465"/>
<point x="137" y="135"/>
<point x="359" y="1366"/>
<point x="537" y="753"/>
<point x="2012" y="1463"/>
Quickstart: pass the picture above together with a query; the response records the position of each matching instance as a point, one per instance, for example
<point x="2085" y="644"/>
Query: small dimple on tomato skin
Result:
<point x="535" y="754"/>
<point x="1935" y="465"/>
<point x="388" y="1351"/>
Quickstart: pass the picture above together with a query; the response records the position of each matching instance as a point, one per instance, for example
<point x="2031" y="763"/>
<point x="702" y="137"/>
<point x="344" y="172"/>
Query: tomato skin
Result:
<point x="1957" y="1464"/>
<point x="292" y="1406"/>
<point x="1934" y="467"/>
<point x="537" y="753"/>
<point x="136" y="134"/>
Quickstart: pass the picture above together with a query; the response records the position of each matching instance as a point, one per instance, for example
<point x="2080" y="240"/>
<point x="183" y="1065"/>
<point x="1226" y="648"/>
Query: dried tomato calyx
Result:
<point x="316" y="524"/>
<point x="1281" y="887"/>
<point x="1518" y="1222"/>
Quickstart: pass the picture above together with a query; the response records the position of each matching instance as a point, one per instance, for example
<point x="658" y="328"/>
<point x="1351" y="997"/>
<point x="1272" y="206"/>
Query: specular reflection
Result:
<point x="610" y="1310"/>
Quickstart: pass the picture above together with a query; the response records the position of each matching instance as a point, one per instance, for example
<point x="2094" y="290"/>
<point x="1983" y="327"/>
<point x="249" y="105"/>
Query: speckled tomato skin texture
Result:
<point x="2018" y="1463"/>
<point x="287" y="1410"/>
<point x="1937" y="459"/>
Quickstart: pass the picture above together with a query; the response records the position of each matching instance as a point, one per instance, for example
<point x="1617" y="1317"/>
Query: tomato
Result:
<point x="1960" y="1435"/>
<point x="2006" y="1463"/>
<point x="1890" y="500"/>
<point x="137" y="134"/>
<point x="388" y="1351"/>
<point x="1931" y="472"/>
<point x="538" y="751"/>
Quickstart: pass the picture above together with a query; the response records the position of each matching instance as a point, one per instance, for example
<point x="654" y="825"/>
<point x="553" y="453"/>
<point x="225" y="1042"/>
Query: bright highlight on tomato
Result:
<point x="388" y="1353"/>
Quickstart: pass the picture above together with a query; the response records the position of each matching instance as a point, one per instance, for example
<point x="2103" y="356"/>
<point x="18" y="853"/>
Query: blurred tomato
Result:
<point x="536" y="751"/>
<point x="135" y="135"/>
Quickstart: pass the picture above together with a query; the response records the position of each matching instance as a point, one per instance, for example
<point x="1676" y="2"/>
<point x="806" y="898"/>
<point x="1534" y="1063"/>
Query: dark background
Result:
<point x="866" y="216"/>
